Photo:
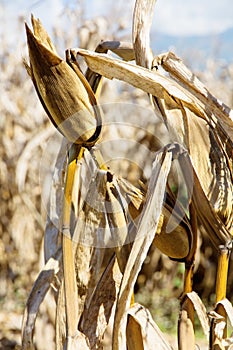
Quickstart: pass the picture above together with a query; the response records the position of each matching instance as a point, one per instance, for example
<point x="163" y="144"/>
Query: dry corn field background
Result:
<point x="115" y="228"/>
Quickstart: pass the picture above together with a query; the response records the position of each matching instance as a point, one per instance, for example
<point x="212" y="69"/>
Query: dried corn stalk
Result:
<point x="96" y="284"/>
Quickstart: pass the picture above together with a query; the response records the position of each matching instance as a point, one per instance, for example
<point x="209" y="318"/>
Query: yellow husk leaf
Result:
<point x="69" y="104"/>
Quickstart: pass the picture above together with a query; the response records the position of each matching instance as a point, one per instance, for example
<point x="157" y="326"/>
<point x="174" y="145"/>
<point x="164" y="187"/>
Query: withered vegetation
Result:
<point x="124" y="229"/>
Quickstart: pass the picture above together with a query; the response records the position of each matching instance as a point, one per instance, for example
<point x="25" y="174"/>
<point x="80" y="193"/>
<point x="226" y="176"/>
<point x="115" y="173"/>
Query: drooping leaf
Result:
<point x="201" y="311"/>
<point x="54" y="211"/>
<point x="190" y="121"/>
<point x="101" y="305"/>
<point x="178" y="71"/>
<point x="144" y="236"/>
<point x="142" y="332"/>
<point x="150" y="82"/>
<point x="227" y="305"/>
<point x="214" y="226"/>
<point x="36" y="297"/>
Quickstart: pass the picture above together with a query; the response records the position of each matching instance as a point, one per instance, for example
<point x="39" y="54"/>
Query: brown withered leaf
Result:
<point x="101" y="305"/>
<point x="108" y="202"/>
<point x="190" y="121"/>
<point x="215" y="228"/>
<point x="91" y="228"/>
<point x="228" y="308"/>
<point x="179" y="72"/>
<point x="220" y="323"/>
<point x="52" y="237"/>
<point x="117" y="216"/>
<point x="201" y="312"/>
<point x="36" y="297"/>
<point x="152" y="83"/>
<point x="89" y="238"/>
<point x="208" y="141"/>
<point x="142" y="332"/>
<point x="173" y="235"/>
<point x="145" y="234"/>
<point x="186" y="336"/>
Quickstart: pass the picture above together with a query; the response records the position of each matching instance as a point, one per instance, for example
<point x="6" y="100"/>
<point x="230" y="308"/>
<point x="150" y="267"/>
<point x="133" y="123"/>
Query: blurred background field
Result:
<point x="25" y="133"/>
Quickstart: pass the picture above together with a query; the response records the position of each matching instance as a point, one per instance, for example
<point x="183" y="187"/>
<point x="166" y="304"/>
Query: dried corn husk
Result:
<point x="64" y="93"/>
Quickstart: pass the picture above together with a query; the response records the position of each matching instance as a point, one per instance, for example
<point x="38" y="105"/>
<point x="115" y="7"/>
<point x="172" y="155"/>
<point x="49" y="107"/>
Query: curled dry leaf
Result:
<point x="91" y="228"/>
<point x="208" y="141"/>
<point x="228" y="308"/>
<point x="201" y="311"/>
<point x="178" y="71"/>
<point x="64" y="93"/>
<point x="214" y="226"/>
<point x="142" y="332"/>
<point x="110" y="204"/>
<point x="122" y="49"/>
<point x="102" y="222"/>
<point x="36" y="297"/>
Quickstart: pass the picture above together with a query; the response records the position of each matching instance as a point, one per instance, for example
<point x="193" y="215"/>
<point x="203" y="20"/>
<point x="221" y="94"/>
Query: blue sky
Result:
<point x="175" y="17"/>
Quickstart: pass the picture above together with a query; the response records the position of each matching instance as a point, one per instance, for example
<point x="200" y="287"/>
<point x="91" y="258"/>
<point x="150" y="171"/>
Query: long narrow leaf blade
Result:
<point x="144" y="237"/>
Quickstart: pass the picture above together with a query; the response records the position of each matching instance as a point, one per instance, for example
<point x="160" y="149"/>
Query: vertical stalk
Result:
<point x="221" y="281"/>
<point x="190" y="260"/>
<point x="222" y="272"/>
<point x="70" y="287"/>
<point x="221" y="286"/>
<point x="186" y="335"/>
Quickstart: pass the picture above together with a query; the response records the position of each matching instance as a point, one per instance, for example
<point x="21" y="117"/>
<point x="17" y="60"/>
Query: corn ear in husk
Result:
<point x="64" y="93"/>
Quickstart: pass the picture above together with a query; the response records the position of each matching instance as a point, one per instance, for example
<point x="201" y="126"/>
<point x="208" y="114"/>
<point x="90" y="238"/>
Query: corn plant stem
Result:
<point x="221" y="281"/>
<point x="222" y="272"/>
<point x="70" y="287"/>
<point x="189" y="263"/>
<point x="186" y="334"/>
<point x="98" y="158"/>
